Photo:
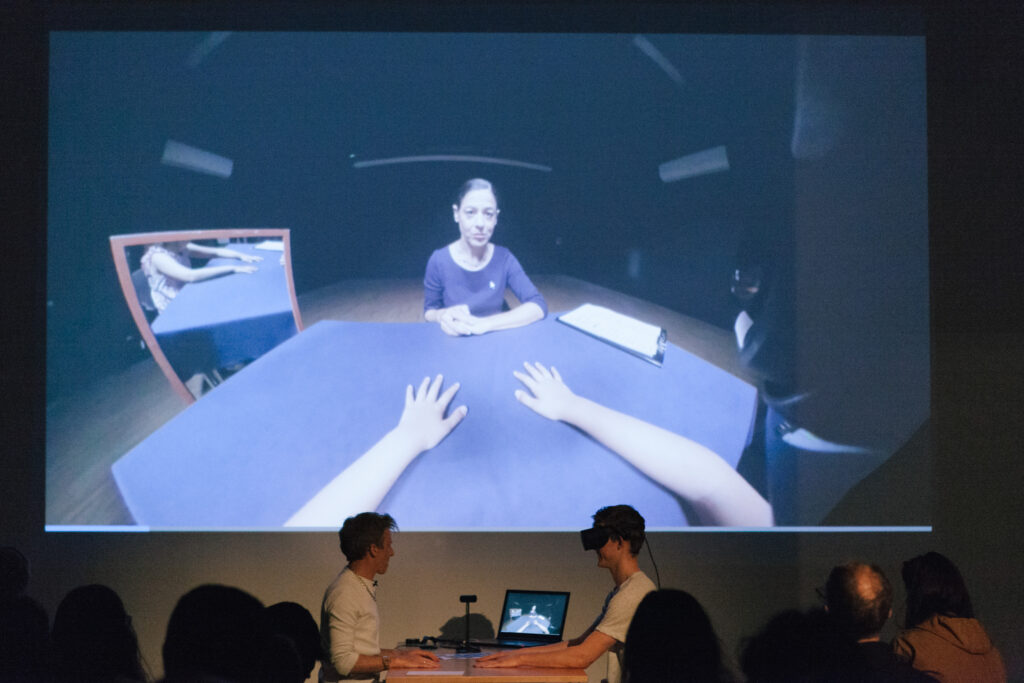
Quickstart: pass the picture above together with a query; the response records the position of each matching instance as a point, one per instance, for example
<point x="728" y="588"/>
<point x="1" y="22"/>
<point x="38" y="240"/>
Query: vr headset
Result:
<point x="595" y="537"/>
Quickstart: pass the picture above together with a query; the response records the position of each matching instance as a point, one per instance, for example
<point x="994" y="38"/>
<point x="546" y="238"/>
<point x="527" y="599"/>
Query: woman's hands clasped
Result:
<point x="457" y="321"/>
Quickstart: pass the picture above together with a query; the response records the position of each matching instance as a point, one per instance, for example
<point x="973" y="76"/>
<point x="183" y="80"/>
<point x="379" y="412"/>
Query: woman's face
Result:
<point x="477" y="215"/>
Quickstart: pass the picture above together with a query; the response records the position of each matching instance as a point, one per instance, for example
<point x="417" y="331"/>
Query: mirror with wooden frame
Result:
<point x="208" y="302"/>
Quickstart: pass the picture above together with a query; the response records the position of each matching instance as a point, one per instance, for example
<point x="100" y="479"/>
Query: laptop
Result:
<point x="530" y="618"/>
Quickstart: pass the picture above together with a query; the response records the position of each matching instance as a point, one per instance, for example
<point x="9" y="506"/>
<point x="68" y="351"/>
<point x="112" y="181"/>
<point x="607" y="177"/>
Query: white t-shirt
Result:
<point x="619" y="607"/>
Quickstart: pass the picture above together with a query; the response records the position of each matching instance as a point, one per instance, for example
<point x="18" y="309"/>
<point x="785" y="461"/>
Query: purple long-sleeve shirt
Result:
<point x="446" y="283"/>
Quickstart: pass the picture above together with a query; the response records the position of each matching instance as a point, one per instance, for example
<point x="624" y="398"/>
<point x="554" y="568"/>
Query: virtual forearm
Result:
<point x="518" y="317"/>
<point x="361" y="486"/>
<point x="696" y="473"/>
<point x="209" y="252"/>
<point x="200" y="274"/>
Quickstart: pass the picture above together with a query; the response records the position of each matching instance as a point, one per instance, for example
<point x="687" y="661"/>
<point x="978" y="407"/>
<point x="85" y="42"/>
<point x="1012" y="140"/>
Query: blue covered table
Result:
<point x="251" y="452"/>
<point x="226" y="320"/>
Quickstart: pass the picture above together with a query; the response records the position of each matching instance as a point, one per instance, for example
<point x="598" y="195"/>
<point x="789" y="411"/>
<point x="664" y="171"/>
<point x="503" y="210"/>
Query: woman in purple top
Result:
<point x="464" y="287"/>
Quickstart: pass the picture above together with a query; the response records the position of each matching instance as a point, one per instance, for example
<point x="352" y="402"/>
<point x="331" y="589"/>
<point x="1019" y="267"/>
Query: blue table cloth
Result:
<point x="226" y="320"/>
<point x="251" y="452"/>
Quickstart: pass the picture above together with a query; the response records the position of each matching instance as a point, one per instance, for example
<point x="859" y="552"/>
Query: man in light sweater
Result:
<point x="349" y="621"/>
<point x="617" y="536"/>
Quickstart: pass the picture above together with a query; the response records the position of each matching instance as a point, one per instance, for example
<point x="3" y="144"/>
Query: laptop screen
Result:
<point x="533" y="614"/>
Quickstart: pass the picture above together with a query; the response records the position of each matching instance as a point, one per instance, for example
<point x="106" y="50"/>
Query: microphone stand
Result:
<point x="466" y="647"/>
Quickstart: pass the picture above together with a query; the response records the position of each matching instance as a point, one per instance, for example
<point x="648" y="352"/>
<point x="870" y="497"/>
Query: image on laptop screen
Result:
<point x="534" y="613"/>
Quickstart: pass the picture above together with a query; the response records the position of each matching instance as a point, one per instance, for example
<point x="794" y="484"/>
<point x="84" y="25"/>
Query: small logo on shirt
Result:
<point x="492" y="284"/>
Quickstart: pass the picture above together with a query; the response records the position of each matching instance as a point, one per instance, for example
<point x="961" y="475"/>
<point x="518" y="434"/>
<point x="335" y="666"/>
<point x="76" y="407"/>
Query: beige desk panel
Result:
<point x="463" y="671"/>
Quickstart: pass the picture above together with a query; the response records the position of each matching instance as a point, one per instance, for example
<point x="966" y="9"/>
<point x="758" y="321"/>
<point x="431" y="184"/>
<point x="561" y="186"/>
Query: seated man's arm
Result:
<point x="559" y="656"/>
<point x="341" y="650"/>
<point x="345" y="660"/>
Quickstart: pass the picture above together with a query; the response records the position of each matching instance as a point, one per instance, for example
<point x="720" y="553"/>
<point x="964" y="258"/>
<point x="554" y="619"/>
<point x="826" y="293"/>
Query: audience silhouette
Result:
<point x="24" y="625"/>
<point x="795" y="646"/>
<point x="858" y="599"/>
<point x="942" y="637"/>
<point x="294" y="622"/>
<point x="218" y="632"/>
<point x="93" y="640"/>
<point x="671" y="639"/>
<point x="221" y="634"/>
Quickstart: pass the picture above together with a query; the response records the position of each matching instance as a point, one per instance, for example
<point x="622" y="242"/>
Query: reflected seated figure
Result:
<point x="168" y="267"/>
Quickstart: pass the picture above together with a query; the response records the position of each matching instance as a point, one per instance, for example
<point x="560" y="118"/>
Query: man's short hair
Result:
<point x="859" y="599"/>
<point x="623" y="524"/>
<point x="358" y="533"/>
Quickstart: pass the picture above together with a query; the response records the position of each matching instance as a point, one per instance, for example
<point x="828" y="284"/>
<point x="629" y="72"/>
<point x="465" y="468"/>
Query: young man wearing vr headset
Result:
<point x="617" y="536"/>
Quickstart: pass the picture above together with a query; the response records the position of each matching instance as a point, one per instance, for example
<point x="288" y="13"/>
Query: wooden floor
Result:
<point x="87" y="432"/>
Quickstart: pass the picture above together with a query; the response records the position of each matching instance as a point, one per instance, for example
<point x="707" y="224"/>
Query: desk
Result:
<point x="226" y="320"/>
<point x="255" y="449"/>
<point x="462" y="670"/>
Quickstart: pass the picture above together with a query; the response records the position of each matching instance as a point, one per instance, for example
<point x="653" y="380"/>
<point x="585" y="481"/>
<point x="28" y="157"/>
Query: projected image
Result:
<point x="485" y="281"/>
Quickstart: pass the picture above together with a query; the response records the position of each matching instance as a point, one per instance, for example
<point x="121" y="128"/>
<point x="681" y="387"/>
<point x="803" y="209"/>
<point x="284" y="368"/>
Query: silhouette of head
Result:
<point x="14" y="573"/>
<point x="293" y="621"/>
<point x="859" y="599"/>
<point x="671" y="639"/>
<point x="934" y="586"/>
<point x="93" y="637"/>
<point x="216" y="630"/>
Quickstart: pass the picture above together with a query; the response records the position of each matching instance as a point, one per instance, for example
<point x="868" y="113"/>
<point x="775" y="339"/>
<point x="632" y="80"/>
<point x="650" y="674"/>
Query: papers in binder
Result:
<point x="629" y="334"/>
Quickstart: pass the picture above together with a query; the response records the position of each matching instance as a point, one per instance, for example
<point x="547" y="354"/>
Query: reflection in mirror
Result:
<point x="208" y="302"/>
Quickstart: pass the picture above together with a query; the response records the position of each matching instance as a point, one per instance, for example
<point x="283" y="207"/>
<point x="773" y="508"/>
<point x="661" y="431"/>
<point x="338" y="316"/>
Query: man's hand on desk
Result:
<point x="413" y="659"/>
<point x="498" y="660"/>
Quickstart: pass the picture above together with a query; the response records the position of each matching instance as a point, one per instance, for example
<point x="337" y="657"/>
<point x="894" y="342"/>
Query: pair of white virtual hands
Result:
<point x="718" y="494"/>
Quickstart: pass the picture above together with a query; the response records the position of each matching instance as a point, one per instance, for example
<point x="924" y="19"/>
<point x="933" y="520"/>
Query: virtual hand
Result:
<point x="245" y="269"/>
<point x="550" y="397"/>
<point x="423" y="420"/>
<point x="248" y="258"/>
<point x="414" y="659"/>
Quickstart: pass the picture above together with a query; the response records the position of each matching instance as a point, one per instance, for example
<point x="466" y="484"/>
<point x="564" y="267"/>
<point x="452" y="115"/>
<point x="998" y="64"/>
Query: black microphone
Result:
<point x="466" y="647"/>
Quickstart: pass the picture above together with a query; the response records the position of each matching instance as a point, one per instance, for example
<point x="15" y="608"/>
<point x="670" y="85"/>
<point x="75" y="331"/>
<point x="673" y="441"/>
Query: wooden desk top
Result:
<point x="463" y="671"/>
